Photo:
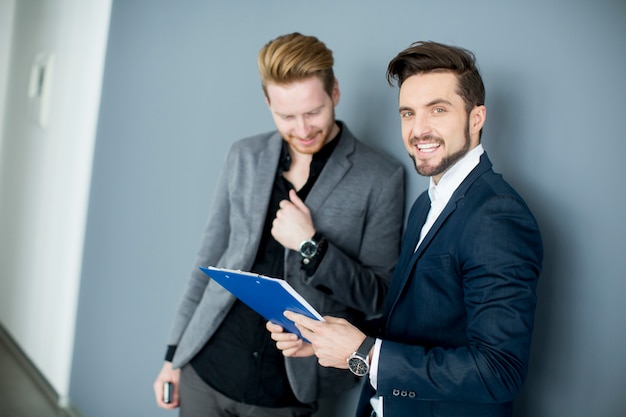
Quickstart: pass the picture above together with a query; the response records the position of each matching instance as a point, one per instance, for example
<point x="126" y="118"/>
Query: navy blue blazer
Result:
<point x="459" y="313"/>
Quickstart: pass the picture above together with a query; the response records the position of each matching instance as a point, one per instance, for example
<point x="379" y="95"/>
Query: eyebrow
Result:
<point x="307" y="112"/>
<point x="429" y="104"/>
<point x="439" y="101"/>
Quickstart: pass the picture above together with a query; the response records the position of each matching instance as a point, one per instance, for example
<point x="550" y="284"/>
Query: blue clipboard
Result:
<point x="269" y="297"/>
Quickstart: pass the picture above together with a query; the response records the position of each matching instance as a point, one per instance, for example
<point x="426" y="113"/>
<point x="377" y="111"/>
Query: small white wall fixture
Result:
<point x="39" y="88"/>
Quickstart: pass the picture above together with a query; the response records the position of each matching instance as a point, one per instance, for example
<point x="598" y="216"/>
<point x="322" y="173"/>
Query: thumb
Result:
<point x="293" y="197"/>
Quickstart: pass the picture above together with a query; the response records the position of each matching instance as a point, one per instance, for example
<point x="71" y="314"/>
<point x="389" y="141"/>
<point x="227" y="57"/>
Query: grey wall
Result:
<point x="181" y="85"/>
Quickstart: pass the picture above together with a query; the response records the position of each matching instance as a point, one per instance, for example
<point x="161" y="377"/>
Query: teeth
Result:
<point x="424" y="146"/>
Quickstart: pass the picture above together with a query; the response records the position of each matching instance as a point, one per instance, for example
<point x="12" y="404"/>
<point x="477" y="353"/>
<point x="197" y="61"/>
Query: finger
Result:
<point x="303" y="350"/>
<point x="331" y="319"/>
<point x="289" y="344"/>
<point x="290" y="352"/>
<point x="306" y="333"/>
<point x="302" y="320"/>
<point x="274" y="328"/>
<point x="284" y="337"/>
<point x="284" y="204"/>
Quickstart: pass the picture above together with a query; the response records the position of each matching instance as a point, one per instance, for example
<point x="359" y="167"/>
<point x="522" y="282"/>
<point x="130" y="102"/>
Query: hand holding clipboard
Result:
<point x="269" y="297"/>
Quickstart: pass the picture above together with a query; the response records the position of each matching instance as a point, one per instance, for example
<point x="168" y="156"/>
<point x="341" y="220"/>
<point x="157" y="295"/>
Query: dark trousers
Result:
<point x="198" y="399"/>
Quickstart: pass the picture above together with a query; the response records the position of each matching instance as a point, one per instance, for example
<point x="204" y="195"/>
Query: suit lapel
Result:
<point x="265" y="174"/>
<point x="408" y="259"/>
<point x="335" y="169"/>
<point x="417" y="218"/>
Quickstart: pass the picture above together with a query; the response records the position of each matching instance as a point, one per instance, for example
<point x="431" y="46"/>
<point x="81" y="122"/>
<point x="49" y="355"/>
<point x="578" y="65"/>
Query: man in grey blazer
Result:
<point x="308" y="203"/>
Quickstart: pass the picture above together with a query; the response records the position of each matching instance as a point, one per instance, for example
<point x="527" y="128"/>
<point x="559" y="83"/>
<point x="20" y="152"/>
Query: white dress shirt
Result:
<point x="440" y="195"/>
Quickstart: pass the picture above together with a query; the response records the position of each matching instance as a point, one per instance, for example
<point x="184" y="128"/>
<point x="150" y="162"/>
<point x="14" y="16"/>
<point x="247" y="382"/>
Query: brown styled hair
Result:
<point x="296" y="57"/>
<point x="425" y="57"/>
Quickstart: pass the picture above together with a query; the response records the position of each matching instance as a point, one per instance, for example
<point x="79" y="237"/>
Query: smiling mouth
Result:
<point x="309" y="139"/>
<point x="427" y="147"/>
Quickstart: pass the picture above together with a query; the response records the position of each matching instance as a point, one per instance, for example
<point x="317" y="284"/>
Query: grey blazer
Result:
<point x="357" y="203"/>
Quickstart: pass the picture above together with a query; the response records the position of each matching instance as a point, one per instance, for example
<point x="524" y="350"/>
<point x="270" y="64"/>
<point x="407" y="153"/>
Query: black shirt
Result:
<point x="240" y="360"/>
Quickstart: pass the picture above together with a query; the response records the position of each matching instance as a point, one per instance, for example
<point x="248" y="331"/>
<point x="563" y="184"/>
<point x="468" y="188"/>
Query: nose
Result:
<point x="420" y="126"/>
<point x="302" y="127"/>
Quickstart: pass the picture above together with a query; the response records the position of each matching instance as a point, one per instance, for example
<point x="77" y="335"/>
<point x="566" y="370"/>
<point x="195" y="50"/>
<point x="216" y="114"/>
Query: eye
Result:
<point x="313" y="113"/>
<point x="439" y="110"/>
<point x="406" y="114"/>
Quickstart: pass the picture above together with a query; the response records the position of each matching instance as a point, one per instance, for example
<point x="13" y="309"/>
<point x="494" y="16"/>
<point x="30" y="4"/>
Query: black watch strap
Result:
<point x="366" y="346"/>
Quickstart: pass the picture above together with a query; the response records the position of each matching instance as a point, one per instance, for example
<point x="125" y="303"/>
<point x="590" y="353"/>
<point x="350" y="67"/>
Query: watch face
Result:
<point x="358" y="365"/>
<point x="308" y="249"/>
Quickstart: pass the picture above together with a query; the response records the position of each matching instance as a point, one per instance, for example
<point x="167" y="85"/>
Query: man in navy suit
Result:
<point x="455" y="335"/>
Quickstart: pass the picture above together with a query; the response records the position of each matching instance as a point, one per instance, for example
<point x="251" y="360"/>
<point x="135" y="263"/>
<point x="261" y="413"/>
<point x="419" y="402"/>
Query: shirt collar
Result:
<point x="440" y="193"/>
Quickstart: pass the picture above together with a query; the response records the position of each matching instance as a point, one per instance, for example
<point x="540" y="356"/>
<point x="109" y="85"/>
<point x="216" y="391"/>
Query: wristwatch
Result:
<point x="357" y="361"/>
<point x="310" y="247"/>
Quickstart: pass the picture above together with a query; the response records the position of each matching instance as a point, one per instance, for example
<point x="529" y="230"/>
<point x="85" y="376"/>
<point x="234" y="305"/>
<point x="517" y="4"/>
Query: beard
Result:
<point x="325" y="132"/>
<point x="446" y="162"/>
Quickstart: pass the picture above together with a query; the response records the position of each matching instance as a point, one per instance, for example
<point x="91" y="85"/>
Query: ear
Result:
<point x="477" y="119"/>
<point x="267" y="100"/>
<point x="336" y="93"/>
